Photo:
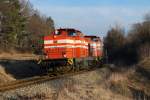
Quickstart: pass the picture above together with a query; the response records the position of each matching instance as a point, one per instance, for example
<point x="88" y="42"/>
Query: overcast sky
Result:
<point x="93" y="16"/>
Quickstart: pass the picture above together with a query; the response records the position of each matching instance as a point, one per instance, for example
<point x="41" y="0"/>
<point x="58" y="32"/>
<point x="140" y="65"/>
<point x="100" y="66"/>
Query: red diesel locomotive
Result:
<point x="69" y="49"/>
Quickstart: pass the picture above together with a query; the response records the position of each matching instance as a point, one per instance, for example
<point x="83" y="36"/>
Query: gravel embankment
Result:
<point x="87" y="86"/>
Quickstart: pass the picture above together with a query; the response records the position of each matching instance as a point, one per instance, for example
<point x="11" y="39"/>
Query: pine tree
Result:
<point x="12" y="22"/>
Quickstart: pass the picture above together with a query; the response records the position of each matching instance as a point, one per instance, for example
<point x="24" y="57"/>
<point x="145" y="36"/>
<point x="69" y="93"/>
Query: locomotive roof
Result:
<point x="92" y="36"/>
<point x="68" y="29"/>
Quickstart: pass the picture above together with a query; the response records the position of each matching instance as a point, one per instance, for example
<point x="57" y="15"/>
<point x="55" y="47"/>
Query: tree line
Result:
<point x="22" y="27"/>
<point x="128" y="48"/>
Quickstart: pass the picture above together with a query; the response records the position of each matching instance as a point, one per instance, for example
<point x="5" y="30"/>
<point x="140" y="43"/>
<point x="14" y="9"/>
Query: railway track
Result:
<point x="36" y="80"/>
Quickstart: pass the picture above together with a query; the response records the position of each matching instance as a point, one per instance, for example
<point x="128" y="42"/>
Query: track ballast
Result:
<point x="36" y="80"/>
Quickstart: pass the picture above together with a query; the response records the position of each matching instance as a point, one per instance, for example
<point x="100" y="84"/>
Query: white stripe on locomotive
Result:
<point x="67" y="46"/>
<point x="66" y="41"/>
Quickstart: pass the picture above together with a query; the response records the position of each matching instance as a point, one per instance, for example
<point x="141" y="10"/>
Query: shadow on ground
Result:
<point x="21" y="69"/>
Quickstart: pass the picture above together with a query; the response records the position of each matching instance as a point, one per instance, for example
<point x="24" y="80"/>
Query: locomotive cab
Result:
<point x="65" y="43"/>
<point x="67" y="32"/>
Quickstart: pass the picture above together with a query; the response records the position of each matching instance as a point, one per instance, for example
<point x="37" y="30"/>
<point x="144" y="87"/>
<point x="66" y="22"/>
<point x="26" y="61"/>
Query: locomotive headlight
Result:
<point x="64" y="55"/>
<point x="46" y="56"/>
<point x="55" y="36"/>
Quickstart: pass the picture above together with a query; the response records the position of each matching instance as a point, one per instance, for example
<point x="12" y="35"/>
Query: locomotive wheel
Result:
<point x="43" y="67"/>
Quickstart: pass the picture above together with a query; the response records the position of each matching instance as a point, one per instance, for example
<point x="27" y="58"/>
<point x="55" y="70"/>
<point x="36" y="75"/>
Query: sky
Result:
<point x="93" y="16"/>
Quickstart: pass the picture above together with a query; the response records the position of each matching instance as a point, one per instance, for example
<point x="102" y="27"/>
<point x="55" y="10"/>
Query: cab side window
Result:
<point x="57" y="32"/>
<point x="71" y="33"/>
<point x="95" y="39"/>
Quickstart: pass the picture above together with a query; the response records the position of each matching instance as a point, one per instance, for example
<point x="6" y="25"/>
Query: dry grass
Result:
<point x="145" y="64"/>
<point x="118" y="84"/>
<point x="95" y="85"/>
<point x="4" y="77"/>
<point x="129" y="83"/>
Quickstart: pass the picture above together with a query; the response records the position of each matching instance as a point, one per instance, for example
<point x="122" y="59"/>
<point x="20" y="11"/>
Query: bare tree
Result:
<point x="139" y="37"/>
<point x="113" y="43"/>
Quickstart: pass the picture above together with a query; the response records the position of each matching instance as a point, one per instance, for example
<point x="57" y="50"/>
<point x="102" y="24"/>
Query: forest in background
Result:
<point x="22" y="27"/>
